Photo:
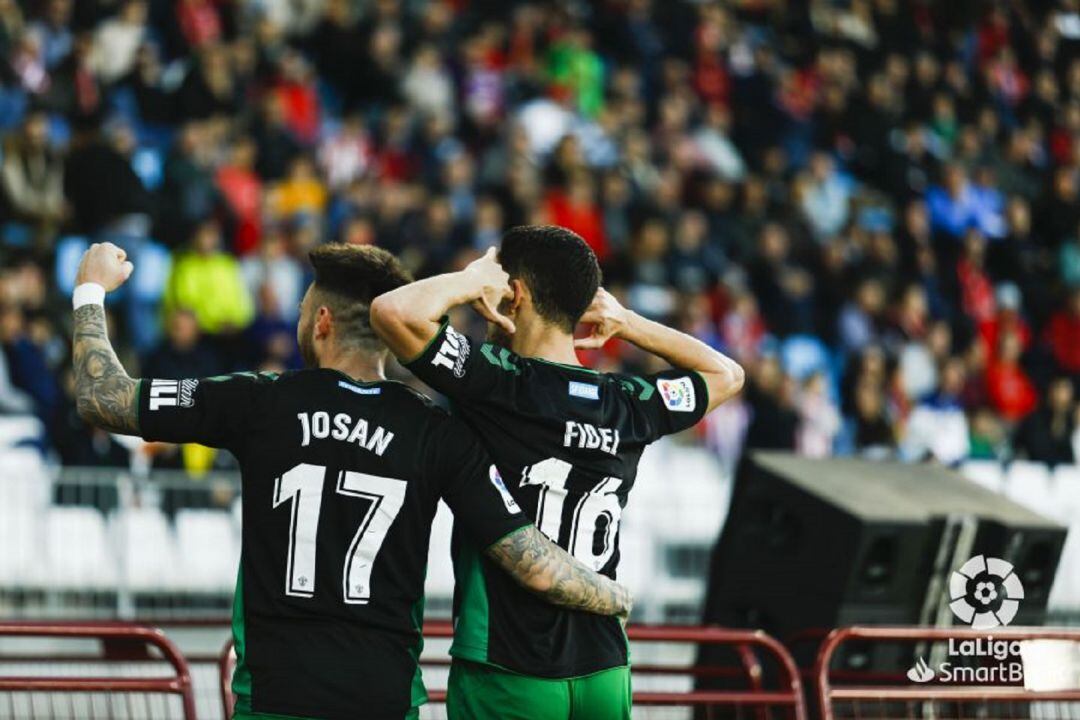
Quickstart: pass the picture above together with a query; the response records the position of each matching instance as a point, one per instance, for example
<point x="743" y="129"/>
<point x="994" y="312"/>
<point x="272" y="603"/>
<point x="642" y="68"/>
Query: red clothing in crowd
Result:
<point x="1010" y="390"/>
<point x="199" y="22"/>
<point x="991" y="330"/>
<point x="586" y="220"/>
<point x="976" y="292"/>
<point x="1063" y="333"/>
<point x="301" y="103"/>
<point x="242" y="189"/>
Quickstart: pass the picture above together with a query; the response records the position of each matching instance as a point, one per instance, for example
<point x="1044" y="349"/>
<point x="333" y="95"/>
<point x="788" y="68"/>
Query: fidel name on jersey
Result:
<point x="585" y="436"/>
<point x="343" y="427"/>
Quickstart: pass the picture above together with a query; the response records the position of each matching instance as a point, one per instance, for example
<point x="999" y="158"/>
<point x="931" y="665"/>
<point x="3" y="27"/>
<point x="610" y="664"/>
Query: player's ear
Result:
<point x="521" y="291"/>
<point x="324" y="320"/>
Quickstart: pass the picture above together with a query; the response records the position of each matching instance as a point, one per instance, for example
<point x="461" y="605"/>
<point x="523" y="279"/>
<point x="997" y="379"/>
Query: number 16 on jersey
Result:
<point x="303" y="487"/>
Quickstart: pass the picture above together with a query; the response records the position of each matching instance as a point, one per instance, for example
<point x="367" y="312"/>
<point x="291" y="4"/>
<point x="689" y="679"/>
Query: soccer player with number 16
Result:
<point x="567" y="441"/>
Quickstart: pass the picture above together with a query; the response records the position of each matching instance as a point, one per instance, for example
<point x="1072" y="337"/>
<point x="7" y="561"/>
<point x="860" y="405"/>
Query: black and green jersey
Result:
<point x="567" y="440"/>
<point x="340" y="481"/>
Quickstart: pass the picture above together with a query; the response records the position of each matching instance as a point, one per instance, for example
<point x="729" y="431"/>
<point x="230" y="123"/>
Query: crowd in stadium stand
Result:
<point x="874" y="205"/>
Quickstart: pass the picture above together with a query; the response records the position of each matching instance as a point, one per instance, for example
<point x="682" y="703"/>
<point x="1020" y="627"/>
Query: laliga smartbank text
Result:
<point x="1009" y="667"/>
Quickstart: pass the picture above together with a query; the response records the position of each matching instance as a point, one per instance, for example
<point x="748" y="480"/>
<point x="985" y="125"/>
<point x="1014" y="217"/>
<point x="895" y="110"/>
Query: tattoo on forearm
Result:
<point x="542" y="566"/>
<point x="106" y="396"/>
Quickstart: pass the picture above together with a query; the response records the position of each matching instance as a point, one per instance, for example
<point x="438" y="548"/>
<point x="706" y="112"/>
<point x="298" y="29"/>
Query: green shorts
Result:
<point x="482" y="692"/>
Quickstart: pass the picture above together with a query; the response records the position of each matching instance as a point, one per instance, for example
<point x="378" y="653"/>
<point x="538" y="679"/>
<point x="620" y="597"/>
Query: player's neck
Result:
<point x="543" y="341"/>
<point x="358" y="366"/>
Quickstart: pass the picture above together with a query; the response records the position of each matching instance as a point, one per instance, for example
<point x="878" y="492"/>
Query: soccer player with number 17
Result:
<point x="567" y="441"/>
<point x="341" y="474"/>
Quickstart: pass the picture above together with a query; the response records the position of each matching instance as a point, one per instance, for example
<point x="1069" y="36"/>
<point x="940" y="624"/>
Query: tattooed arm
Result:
<point x="105" y="395"/>
<point x="541" y="566"/>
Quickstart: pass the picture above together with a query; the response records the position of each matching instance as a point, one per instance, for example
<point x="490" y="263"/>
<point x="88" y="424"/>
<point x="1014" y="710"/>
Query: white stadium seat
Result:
<point x="145" y="549"/>
<point x="20" y="549"/>
<point x="209" y="553"/>
<point x="25" y="484"/>
<point x="1066" y="488"/>
<point x="1065" y="593"/>
<point x="77" y="550"/>
<point x="1028" y="483"/>
<point x="987" y="473"/>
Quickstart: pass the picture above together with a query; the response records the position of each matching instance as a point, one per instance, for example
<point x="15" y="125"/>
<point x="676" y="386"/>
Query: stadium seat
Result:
<point x="1028" y="483"/>
<point x="20" y="540"/>
<point x="987" y="473"/>
<point x="25" y="483"/>
<point x="439" y="583"/>
<point x="208" y="550"/>
<point x="16" y="429"/>
<point x="77" y="550"/>
<point x="1066" y="489"/>
<point x="145" y="549"/>
<point x="1065" y="592"/>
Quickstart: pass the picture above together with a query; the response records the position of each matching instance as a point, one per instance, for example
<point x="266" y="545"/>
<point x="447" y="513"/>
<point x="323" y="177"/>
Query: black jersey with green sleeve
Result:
<point x="567" y="441"/>
<point x="340" y="482"/>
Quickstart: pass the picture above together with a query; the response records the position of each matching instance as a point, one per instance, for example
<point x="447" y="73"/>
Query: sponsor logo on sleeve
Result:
<point x="677" y="393"/>
<point x="586" y="391"/>
<point x="507" y="498"/>
<point x="453" y="352"/>
<point x="172" y="393"/>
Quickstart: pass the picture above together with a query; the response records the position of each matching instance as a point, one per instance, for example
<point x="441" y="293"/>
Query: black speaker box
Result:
<point x="817" y="544"/>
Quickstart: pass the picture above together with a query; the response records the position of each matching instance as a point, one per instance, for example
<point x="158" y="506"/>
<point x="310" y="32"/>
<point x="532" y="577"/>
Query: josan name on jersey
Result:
<point x="318" y="425"/>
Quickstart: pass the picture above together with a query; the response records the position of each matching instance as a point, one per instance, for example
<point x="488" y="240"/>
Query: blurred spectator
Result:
<point x="1063" y="334"/>
<point x="106" y="195"/>
<point x="182" y="354"/>
<point x="1046" y="435"/>
<point x="938" y="426"/>
<point x="958" y="205"/>
<point x="117" y="40"/>
<point x="1008" y="386"/>
<point x="774" y="422"/>
<point x="819" y="419"/>
<point x="207" y="281"/>
<point x="32" y="175"/>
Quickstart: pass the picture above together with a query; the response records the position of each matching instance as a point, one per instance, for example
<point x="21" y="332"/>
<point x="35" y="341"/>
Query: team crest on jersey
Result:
<point x="507" y="498"/>
<point x="172" y="393"/>
<point x="678" y="394"/>
<point x="453" y="353"/>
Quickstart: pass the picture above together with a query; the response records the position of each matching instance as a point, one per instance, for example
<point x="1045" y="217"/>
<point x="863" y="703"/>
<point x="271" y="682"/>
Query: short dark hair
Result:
<point x="558" y="267"/>
<point x="348" y="278"/>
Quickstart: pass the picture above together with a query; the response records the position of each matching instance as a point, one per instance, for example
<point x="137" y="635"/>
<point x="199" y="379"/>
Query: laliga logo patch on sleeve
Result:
<point x="677" y="393"/>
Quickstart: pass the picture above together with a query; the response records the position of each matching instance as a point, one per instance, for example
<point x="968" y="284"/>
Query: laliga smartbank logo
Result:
<point x="985" y="593"/>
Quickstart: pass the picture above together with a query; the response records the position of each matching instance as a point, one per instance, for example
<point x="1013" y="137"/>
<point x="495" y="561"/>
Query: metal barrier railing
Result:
<point x="136" y="641"/>
<point x="788" y="696"/>
<point x="894" y="699"/>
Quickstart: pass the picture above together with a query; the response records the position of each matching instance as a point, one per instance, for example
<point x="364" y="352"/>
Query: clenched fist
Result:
<point x="104" y="264"/>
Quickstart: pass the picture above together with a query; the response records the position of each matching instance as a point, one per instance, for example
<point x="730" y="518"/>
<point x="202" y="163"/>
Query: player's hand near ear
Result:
<point x="410" y="316"/>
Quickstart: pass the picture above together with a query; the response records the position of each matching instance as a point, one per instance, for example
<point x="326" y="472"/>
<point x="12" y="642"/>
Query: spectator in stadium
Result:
<point x="32" y="175"/>
<point x="938" y="425"/>
<point x="207" y="280"/>
<point x="1047" y="434"/>
<point x="182" y="353"/>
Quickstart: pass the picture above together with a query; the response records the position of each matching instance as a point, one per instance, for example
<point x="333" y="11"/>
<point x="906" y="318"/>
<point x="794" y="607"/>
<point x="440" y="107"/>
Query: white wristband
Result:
<point x="88" y="294"/>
